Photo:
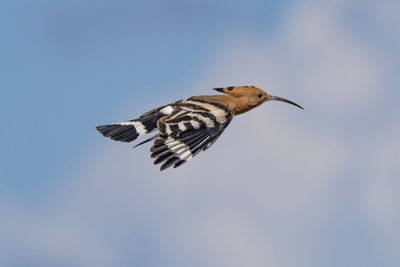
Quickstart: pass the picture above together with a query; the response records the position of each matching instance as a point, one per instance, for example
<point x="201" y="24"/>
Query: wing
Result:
<point x="193" y="126"/>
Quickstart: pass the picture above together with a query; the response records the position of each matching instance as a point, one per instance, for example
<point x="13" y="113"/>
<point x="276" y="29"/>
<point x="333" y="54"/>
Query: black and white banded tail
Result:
<point x="129" y="131"/>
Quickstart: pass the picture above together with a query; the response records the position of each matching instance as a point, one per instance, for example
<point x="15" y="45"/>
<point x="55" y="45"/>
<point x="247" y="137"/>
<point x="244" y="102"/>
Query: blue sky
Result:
<point x="297" y="188"/>
<point x="69" y="65"/>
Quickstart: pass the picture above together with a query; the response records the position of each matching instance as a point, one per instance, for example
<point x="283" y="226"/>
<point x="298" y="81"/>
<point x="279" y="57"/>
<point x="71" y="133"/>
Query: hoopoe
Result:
<point x="188" y="126"/>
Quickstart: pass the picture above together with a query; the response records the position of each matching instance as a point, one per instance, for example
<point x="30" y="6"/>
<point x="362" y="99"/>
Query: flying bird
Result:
<point x="188" y="126"/>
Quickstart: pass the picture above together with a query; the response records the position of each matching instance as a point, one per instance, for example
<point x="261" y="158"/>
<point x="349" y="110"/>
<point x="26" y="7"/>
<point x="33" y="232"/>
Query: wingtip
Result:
<point x="163" y="168"/>
<point x="179" y="163"/>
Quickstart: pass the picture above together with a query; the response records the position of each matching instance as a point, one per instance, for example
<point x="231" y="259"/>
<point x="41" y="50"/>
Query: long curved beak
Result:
<point x="277" y="98"/>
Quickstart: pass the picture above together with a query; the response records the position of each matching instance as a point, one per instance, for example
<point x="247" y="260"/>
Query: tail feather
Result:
<point x="130" y="130"/>
<point x="118" y="132"/>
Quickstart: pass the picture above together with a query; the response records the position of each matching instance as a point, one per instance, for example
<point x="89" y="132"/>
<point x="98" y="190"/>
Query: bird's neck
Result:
<point x="242" y="105"/>
<point x="236" y="105"/>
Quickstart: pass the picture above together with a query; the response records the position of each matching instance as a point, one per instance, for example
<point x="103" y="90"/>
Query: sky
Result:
<point x="281" y="187"/>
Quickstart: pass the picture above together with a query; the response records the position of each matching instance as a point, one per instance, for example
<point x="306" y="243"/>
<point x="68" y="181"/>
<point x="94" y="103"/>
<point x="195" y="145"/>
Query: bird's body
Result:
<point x="188" y="126"/>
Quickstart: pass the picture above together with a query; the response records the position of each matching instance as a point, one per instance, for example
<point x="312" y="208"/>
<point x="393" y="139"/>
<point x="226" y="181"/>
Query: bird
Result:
<point x="189" y="126"/>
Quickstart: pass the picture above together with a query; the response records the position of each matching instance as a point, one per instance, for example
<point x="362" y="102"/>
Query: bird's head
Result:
<point x="254" y="95"/>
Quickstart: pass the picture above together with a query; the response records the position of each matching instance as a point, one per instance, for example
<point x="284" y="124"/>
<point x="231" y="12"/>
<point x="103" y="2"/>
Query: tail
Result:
<point x="129" y="131"/>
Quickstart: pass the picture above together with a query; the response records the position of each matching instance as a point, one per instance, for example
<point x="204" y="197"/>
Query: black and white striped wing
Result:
<point x="193" y="127"/>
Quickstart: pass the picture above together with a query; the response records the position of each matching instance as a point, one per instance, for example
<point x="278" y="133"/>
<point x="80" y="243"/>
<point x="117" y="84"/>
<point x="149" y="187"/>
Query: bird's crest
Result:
<point x="236" y="90"/>
<point x="228" y="89"/>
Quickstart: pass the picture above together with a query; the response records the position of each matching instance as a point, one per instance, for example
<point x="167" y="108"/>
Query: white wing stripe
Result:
<point x="219" y="113"/>
<point x="139" y="127"/>
<point x="167" y="110"/>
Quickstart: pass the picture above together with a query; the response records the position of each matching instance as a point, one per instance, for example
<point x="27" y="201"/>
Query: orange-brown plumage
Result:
<point x="240" y="99"/>
<point x="191" y="125"/>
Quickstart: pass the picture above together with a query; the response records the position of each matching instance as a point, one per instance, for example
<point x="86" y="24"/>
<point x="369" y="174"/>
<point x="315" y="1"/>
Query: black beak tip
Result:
<point x="294" y="104"/>
<point x="219" y="89"/>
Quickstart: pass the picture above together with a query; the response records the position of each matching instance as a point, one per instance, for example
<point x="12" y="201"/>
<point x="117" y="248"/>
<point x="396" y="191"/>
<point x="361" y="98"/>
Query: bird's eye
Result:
<point x="259" y="95"/>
